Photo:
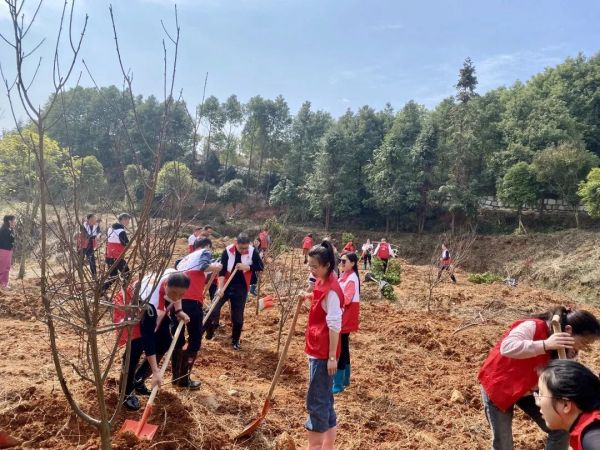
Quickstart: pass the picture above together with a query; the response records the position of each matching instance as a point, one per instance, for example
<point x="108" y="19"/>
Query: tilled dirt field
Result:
<point x="413" y="382"/>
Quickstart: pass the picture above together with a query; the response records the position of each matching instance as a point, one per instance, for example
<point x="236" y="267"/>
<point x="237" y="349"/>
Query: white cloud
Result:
<point x="345" y="100"/>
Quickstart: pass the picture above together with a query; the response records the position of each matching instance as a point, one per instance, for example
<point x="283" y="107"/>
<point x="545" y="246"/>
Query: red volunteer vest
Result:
<point x="351" y="316"/>
<point x="583" y="421"/>
<point x="307" y="243"/>
<point x="264" y="241"/>
<point x="317" y="331"/>
<point x="119" y="316"/>
<point x="506" y="380"/>
<point x="247" y="275"/>
<point x="348" y="248"/>
<point x="114" y="248"/>
<point x="197" y="283"/>
<point x="384" y="251"/>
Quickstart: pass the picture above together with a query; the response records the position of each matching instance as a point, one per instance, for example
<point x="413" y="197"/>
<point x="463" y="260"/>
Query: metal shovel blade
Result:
<point x="146" y="432"/>
<point x="251" y="428"/>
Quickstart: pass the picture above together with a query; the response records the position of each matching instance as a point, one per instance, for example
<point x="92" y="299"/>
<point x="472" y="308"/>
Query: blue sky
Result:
<point x="337" y="54"/>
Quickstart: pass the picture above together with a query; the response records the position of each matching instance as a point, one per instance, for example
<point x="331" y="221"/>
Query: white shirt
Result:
<point x="519" y="343"/>
<point x="191" y="240"/>
<point x="331" y="305"/>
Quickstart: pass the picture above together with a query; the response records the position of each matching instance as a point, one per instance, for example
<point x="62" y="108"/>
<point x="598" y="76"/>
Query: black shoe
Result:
<point x="141" y="389"/>
<point x="132" y="403"/>
<point x="236" y="346"/>
<point x="192" y="385"/>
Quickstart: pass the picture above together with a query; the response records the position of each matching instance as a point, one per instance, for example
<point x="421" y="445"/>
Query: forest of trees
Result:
<point x="405" y="168"/>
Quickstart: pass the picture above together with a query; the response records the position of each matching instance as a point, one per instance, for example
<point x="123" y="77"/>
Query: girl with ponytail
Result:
<point x="350" y="284"/>
<point x="322" y="346"/>
<point x="569" y="400"/>
<point x="510" y="372"/>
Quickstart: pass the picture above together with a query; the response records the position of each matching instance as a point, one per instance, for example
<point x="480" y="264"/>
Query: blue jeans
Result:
<point x="501" y="424"/>
<point x="319" y="398"/>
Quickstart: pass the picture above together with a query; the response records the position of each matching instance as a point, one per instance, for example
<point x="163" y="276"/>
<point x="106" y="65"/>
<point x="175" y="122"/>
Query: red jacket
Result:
<point x="263" y="238"/>
<point x="317" y="331"/>
<point x="583" y="422"/>
<point x="120" y="314"/>
<point x="506" y="380"/>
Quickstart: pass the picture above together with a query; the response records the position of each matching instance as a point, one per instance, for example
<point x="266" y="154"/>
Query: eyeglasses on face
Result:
<point x="537" y="397"/>
<point x="343" y="261"/>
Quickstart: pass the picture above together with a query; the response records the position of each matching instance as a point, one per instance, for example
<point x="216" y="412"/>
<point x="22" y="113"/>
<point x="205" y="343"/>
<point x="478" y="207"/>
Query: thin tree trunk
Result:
<point x="250" y="160"/>
<point x="576" y="216"/>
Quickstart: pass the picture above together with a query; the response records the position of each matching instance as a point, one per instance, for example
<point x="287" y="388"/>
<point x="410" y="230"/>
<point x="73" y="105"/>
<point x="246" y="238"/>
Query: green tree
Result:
<point x="174" y="178"/>
<point x="562" y="168"/>
<point x="135" y="179"/>
<point x="519" y="188"/>
<point x="589" y="193"/>
<point x="233" y="192"/>
<point x="234" y="115"/>
<point x="88" y="180"/>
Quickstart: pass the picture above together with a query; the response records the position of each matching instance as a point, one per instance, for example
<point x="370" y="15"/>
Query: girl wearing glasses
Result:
<point x="509" y="374"/>
<point x="569" y="400"/>
<point x="350" y="284"/>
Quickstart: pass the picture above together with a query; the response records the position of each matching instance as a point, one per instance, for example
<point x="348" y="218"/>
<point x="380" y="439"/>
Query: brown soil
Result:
<point x="407" y="364"/>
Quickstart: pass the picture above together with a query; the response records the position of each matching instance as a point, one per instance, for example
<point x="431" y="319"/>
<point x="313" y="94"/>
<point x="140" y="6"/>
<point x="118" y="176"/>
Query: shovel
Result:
<point x="562" y="354"/>
<point x="7" y="441"/>
<point x="267" y="406"/>
<point x="216" y="300"/>
<point x="142" y="429"/>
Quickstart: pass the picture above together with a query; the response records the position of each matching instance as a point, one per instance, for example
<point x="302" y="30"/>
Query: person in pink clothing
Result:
<point x="7" y="243"/>
<point x="307" y="244"/>
<point x="350" y="284"/>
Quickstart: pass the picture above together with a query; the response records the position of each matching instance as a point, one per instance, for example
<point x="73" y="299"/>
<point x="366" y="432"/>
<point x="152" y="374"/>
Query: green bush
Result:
<point x="389" y="293"/>
<point x="393" y="275"/>
<point x="484" y="278"/>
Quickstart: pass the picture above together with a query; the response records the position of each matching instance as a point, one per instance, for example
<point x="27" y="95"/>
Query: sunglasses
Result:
<point x="343" y="261"/>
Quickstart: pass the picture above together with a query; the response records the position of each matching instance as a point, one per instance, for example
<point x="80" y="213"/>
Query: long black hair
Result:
<point x="352" y="257"/>
<point x="7" y="220"/>
<point x="583" y="323"/>
<point x="567" y="379"/>
<point x="323" y="252"/>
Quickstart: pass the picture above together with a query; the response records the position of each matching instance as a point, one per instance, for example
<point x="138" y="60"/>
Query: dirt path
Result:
<point x="413" y="382"/>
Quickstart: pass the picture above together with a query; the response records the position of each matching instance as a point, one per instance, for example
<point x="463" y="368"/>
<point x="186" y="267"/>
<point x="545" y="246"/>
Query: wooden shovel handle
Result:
<point x="166" y="361"/>
<point x="562" y="354"/>
<point x="283" y="356"/>
<point x="216" y="300"/>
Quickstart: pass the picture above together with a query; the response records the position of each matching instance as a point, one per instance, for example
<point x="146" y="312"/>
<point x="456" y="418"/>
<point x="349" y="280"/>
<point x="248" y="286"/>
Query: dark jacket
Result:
<point x="7" y="238"/>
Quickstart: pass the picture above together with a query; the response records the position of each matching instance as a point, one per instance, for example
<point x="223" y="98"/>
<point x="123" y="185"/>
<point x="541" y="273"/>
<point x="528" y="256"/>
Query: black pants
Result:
<point x="345" y="352"/>
<point x="90" y="256"/>
<point x="366" y="258"/>
<point x="237" y="299"/>
<point x="446" y="267"/>
<point x="193" y="309"/>
<point x="121" y="268"/>
<point x="384" y="263"/>
<point x="157" y="346"/>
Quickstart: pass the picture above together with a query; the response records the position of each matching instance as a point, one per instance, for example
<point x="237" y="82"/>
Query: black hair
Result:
<point x="178" y="280"/>
<point x="243" y="238"/>
<point x="324" y="254"/>
<point x="89" y="216"/>
<point x="352" y="257"/>
<point x="198" y="228"/>
<point x="202" y="243"/>
<point x="583" y="323"/>
<point x="123" y="216"/>
<point x="7" y="220"/>
<point x="207" y="227"/>
<point x="309" y="234"/>
<point x="567" y="379"/>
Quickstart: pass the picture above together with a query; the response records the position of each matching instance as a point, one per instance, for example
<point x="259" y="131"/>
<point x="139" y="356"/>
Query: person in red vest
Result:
<point x="322" y="346"/>
<point x="446" y="264"/>
<point x="264" y="240"/>
<point x="349" y="247"/>
<point x="510" y="372"/>
<point x="151" y="335"/>
<point x="384" y="252"/>
<point x="192" y="239"/>
<point x="569" y="400"/>
<point x="246" y="259"/>
<point x="116" y="242"/>
<point x="194" y="266"/>
<point x="87" y="241"/>
<point x="307" y="244"/>
<point x="350" y="284"/>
